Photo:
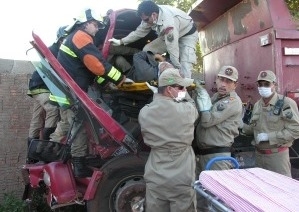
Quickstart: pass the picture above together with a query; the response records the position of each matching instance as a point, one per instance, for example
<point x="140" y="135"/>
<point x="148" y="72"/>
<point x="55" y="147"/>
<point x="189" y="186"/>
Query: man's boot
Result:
<point x="80" y="167"/>
<point x="50" y="151"/>
<point x="32" y="157"/>
<point x="47" y="132"/>
<point x="29" y="141"/>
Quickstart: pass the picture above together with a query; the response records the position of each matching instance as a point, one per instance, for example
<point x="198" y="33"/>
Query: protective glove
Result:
<point x="262" y="137"/>
<point x="115" y="42"/>
<point x="153" y="88"/>
<point x="199" y="84"/>
<point x="203" y="99"/>
<point x="112" y="86"/>
<point x="129" y="81"/>
<point x="241" y="125"/>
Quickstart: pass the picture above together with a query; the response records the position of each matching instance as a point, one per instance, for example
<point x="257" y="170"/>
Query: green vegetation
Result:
<point x="294" y="8"/>
<point x="11" y="204"/>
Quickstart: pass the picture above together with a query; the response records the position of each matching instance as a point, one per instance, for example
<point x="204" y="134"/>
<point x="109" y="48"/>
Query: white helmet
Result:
<point x="86" y="15"/>
<point x="90" y="15"/>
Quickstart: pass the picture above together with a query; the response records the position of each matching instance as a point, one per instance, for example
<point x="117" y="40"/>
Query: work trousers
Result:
<point x="277" y="162"/>
<point x="169" y="177"/>
<point x="172" y="201"/>
<point x="44" y="115"/>
<point x="62" y="126"/>
<point x="187" y="54"/>
<point x="122" y="64"/>
<point x="79" y="146"/>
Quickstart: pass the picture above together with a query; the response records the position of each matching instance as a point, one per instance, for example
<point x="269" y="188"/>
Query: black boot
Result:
<point x="80" y="167"/>
<point x="31" y="157"/>
<point x="29" y="141"/>
<point x="50" y="152"/>
<point x="47" y="132"/>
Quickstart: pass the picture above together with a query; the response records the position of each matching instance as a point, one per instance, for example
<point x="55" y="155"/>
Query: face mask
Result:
<point x="180" y="97"/>
<point x="265" y="92"/>
<point x="154" y="20"/>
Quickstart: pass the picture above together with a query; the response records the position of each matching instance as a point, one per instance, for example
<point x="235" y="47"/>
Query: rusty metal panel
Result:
<point x="248" y="56"/>
<point x="252" y="35"/>
<point x="290" y="65"/>
<point x="243" y="20"/>
<point x="206" y="11"/>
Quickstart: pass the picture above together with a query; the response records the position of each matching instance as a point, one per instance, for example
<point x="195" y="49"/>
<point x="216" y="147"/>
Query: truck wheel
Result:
<point x="121" y="185"/>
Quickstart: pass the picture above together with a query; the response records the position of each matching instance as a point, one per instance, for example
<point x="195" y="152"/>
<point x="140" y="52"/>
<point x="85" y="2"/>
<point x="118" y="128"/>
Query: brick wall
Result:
<point x="15" y="115"/>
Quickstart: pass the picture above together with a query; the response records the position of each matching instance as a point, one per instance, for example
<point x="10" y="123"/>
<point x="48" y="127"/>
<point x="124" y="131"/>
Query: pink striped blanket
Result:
<point x="253" y="189"/>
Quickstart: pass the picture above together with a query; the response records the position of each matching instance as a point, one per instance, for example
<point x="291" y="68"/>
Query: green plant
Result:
<point x="12" y="204"/>
<point x="293" y="6"/>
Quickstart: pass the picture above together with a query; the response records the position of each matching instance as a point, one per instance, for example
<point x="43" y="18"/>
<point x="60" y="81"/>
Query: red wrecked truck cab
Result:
<point x="117" y="152"/>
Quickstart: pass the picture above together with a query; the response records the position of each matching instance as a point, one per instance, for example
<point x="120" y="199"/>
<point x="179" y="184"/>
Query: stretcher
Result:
<point x="252" y="189"/>
<point x="141" y="86"/>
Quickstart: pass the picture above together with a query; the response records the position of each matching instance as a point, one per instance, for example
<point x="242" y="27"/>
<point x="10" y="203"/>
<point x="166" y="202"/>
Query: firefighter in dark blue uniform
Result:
<point x="84" y="62"/>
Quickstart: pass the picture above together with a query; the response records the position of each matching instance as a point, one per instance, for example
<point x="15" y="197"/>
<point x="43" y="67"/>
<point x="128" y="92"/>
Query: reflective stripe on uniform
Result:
<point x="37" y="91"/>
<point x="59" y="99"/>
<point x="114" y="74"/>
<point x="67" y="50"/>
<point x="100" y="80"/>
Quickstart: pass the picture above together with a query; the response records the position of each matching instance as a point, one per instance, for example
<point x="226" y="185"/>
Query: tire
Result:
<point x="294" y="152"/>
<point x="121" y="184"/>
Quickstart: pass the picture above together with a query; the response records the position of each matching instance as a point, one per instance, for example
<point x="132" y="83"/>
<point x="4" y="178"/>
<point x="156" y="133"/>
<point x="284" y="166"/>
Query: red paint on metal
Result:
<point x="62" y="183"/>
<point x="114" y="129"/>
<point x="93" y="185"/>
<point x="250" y="35"/>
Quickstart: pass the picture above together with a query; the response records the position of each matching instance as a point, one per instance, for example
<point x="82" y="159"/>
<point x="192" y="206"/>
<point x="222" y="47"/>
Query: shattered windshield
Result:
<point x="59" y="91"/>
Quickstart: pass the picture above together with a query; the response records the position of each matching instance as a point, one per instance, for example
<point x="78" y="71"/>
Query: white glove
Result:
<point x="198" y="85"/>
<point x="241" y="125"/>
<point x="204" y="101"/>
<point x="262" y="137"/>
<point x="115" y="42"/>
<point x="153" y="88"/>
<point x="112" y="86"/>
<point x="129" y="81"/>
<point x="203" y="98"/>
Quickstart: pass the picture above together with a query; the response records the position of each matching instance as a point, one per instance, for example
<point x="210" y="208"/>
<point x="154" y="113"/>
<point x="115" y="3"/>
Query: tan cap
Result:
<point x="171" y="76"/>
<point x="229" y="72"/>
<point x="267" y="76"/>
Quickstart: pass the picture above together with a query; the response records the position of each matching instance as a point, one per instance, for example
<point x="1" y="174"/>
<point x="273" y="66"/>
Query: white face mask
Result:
<point x="181" y="96"/>
<point x="155" y="20"/>
<point x="265" y="91"/>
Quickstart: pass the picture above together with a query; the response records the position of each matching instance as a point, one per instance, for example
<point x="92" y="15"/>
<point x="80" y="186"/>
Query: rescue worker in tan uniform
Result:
<point x="167" y="126"/>
<point x="45" y="115"/>
<point x="220" y="119"/>
<point x="177" y="34"/>
<point x="274" y="127"/>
